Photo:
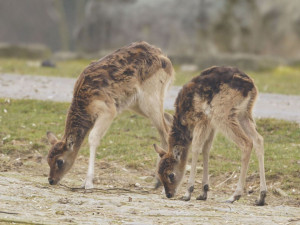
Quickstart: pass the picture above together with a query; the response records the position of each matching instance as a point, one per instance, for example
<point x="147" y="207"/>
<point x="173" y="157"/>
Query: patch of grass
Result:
<point x="283" y="79"/>
<point x="129" y="141"/>
<point x="282" y="153"/>
<point x="282" y="150"/>
<point x="24" y="124"/>
<point x="182" y="77"/>
<point x="68" y="68"/>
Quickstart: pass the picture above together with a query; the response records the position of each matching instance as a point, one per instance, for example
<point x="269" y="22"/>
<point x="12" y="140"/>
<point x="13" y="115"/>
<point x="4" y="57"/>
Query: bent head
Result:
<point x="170" y="170"/>
<point x="60" y="158"/>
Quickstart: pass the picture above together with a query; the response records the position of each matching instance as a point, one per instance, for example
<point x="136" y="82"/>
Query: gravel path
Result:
<point x="278" y="106"/>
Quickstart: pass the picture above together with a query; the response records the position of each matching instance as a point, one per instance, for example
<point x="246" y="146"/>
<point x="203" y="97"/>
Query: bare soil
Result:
<point x="125" y="196"/>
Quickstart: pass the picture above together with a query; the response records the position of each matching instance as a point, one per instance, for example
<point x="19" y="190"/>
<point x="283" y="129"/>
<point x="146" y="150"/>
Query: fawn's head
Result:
<point x="170" y="169"/>
<point x="60" y="158"/>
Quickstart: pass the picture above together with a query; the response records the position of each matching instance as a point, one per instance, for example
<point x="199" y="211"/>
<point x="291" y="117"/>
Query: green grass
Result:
<point x="129" y="140"/>
<point x="282" y="153"/>
<point x="283" y="79"/>
<point x="69" y="68"/>
<point x="24" y="124"/>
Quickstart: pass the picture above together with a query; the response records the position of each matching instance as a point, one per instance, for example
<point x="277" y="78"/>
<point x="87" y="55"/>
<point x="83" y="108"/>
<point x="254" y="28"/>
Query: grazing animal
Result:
<point x="135" y="77"/>
<point x="220" y="98"/>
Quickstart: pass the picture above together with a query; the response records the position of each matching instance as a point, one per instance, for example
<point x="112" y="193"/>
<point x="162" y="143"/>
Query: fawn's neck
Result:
<point x="77" y="126"/>
<point x="180" y="138"/>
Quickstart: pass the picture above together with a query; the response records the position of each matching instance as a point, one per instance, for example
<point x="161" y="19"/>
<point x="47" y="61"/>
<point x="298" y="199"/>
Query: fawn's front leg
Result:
<point x="101" y="125"/>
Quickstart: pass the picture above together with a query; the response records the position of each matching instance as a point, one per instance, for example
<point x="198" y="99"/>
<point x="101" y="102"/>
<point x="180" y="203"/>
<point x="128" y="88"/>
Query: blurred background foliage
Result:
<point x="251" y="34"/>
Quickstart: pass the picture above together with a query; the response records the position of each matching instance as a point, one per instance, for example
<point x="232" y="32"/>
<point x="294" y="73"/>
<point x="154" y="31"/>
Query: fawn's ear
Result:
<point x="168" y="118"/>
<point x="51" y="138"/>
<point x="159" y="150"/>
<point x="70" y="143"/>
<point x="177" y="151"/>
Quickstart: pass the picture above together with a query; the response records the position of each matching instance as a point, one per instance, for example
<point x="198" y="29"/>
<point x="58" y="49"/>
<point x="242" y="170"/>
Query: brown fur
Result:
<point x="126" y="79"/>
<point x="220" y="98"/>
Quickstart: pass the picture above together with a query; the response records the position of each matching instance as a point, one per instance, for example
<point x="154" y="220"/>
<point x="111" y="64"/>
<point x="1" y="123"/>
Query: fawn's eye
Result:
<point x="60" y="163"/>
<point x="171" y="177"/>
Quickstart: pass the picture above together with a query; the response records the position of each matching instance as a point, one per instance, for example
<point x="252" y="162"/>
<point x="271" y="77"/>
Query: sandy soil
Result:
<point x="124" y="195"/>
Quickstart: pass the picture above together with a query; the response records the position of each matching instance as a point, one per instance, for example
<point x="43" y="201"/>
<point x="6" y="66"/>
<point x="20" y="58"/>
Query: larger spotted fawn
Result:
<point x="135" y="77"/>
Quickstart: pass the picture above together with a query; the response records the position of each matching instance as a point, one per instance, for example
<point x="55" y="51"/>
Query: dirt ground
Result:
<point x="125" y="196"/>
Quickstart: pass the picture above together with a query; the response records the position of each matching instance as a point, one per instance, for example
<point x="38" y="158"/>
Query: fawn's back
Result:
<point x="218" y="93"/>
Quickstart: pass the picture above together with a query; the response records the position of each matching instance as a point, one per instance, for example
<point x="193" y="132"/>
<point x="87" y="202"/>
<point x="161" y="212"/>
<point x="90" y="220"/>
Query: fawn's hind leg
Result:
<point x="235" y="132"/>
<point x="248" y="126"/>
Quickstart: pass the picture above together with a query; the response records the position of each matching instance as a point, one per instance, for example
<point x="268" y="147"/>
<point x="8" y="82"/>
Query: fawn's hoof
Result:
<point x="186" y="198"/>
<point x="201" y="197"/>
<point x="157" y="184"/>
<point x="261" y="200"/>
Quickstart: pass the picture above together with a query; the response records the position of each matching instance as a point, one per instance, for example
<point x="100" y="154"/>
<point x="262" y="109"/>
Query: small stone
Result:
<point x="63" y="201"/>
<point x="59" y="213"/>
<point x="280" y="192"/>
<point x="38" y="158"/>
<point x="148" y="179"/>
<point x="133" y="211"/>
<point x="48" y="63"/>
<point x="104" y="165"/>
<point x="198" y="168"/>
<point x="4" y="158"/>
<point x="18" y="163"/>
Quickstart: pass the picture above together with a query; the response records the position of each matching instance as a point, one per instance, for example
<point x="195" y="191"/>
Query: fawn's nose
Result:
<point x="169" y="195"/>
<point x="51" y="181"/>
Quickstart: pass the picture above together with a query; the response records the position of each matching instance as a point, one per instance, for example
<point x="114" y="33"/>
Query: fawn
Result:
<point x="219" y="99"/>
<point x="135" y="77"/>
